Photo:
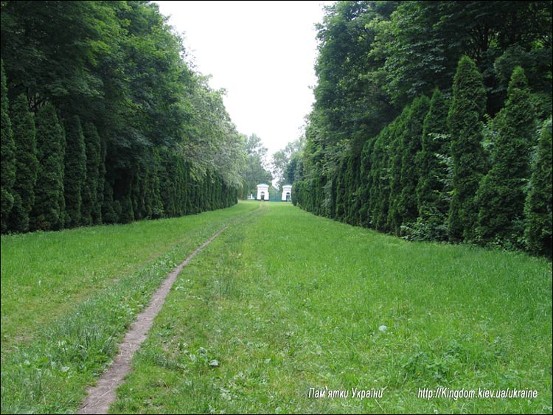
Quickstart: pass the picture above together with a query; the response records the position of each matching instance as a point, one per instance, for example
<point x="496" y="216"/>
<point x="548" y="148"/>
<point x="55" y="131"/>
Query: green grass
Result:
<point x="284" y="301"/>
<point x="68" y="297"/>
<point x="292" y="302"/>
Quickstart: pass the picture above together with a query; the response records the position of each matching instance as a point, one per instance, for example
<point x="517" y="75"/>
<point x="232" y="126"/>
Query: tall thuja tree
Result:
<point x="98" y="214"/>
<point x="23" y="125"/>
<point x="431" y="190"/>
<point x="403" y="178"/>
<point x="91" y="211"/>
<point x="364" y="183"/>
<point x="47" y="212"/>
<point x="110" y="208"/>
<point x="352" y="180"/>
<point x="382" y="181"/>
<point x="75" y="171"/>
<point x="8" y="155"/>
<point x="411" y="145"/>
<point x="538" y="202"/>
<point x="465" y="126"/>
<point x="339" y="190"/>
<point x="154" y="187"/>
<point x="501" y="195"/>
<point x="393" y="171"/>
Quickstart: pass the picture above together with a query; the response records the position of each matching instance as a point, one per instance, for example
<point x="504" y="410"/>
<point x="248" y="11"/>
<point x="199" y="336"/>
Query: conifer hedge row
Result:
<point x="440" y="171"/>
<point x="104" y="120"/>
<point x="55" y="176"/>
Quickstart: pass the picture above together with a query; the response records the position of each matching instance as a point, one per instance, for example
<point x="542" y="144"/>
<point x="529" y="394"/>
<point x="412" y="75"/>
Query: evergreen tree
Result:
<point x="380" y="177"/>
<point x="23" y="125"/>
<point x="352" y="181"/>
<point x="431" y="190"/>
<point x="339" y="191"/>
<point x="109" y="207"/>
<point x="137" y="193"/>
<point x="47" y="212"/>
<point x="538" y="202"/>
<point x="403" y="205"/>
<point x="465" y="127"/>
<point x="97" y="215"/>
<point x="91" y="209"/>
<point x="399" y="141"/>
<point x="127" y="211"/>
<point x="365" y="182"/>
<point x="8" y="155"/>
<point x="501" y="194"/>
<point x="75" y="171"/>
<point x="411" y="145"/>
<point x="157" y="204"/>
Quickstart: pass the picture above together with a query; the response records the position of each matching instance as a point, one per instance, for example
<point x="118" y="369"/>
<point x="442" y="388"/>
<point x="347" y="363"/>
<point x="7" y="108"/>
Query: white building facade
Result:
<point x="287" y="193"/>
<point x="262" y="192"/>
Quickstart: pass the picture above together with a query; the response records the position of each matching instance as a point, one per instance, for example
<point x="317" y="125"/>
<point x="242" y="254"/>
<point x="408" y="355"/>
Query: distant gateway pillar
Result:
<point x="287" y="192"/>
<point x="262" y="192"/>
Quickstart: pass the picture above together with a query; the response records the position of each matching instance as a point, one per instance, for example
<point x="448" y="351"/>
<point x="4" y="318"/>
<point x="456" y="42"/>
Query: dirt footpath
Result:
<point x="102" y="395"/>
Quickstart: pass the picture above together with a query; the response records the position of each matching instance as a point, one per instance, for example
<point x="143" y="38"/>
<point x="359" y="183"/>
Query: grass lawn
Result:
<point x="287" y="306"/>
<point x="68" y="297"/>
<point x="282" y="308"/>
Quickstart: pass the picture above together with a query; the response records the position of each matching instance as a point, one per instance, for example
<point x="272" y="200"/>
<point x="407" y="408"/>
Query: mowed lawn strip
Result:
<point x="289" y="302"/>
<point x="49" y="372"/>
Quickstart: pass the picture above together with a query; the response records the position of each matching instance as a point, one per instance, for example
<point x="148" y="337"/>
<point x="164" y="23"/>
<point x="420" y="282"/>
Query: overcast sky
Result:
<point x="261" y="53"/>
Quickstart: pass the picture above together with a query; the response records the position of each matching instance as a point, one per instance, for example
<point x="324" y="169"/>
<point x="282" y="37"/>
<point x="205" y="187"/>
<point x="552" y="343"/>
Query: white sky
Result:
<point x="261" y="52"/>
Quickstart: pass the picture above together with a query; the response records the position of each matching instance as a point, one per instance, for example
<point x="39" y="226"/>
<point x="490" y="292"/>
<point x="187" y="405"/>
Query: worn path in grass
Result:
<point x="46" y="275"/>
<point x="69" y="297"/>
<point x="101" y="396"/>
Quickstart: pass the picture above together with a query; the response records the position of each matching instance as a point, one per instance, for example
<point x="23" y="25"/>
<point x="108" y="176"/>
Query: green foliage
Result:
<point x="254" y="171"/>
<point x="282" y="159"/>
<point x="361" y="164"/>
<point x="378" y="181"/>
<point x="294" y="169"/>
<point x="432" y="187"/>
<point x="419" y="55"/>
<point x="349" y="99"/>
<point x="152" y="196"/>
<point x="48" y="50"/>
<point x="8" y="156"/>
<point x="47" y="212"/>
<point x="538" y="202"/>
<point x="24" y="132"/>
<point x="465" y="127"/>
<point x="91" y="208"/>
<point x="75" y="171"/>
<point x="110" y="212"/>
<point x="403" y="208"/>
<point x="423" y="41"/>
<point x="120" y="69"/>
<point x="502" y="192"/>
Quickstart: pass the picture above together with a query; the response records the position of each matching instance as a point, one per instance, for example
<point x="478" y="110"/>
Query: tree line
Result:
<point x="105" y="120"/>
<point x="432" y="121"/>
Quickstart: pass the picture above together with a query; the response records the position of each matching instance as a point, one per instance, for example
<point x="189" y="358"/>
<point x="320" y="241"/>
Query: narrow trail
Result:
<point x="102" y="395"/>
